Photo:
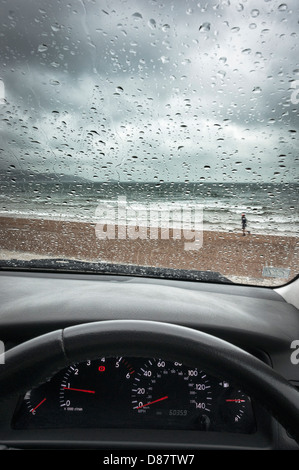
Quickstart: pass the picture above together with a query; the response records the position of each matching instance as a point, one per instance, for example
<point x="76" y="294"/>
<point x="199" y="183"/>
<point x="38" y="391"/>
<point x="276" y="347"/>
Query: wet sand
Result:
<point x="231" y="254"/>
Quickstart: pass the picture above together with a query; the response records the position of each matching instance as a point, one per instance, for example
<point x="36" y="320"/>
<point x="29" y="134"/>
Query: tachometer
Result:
<point x="170" y="392"/>
<point x="96" y="389"/>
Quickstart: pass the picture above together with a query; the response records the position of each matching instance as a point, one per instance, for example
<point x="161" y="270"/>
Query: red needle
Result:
<point x="38" y="405"/>
<point x="151" y="402"/>
<point x="79" y="390"/>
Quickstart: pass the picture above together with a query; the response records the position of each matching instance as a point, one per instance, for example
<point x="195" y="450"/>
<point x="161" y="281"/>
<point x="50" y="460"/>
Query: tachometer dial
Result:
<point x="172" y="393"/>
<point x="95" y="388"/>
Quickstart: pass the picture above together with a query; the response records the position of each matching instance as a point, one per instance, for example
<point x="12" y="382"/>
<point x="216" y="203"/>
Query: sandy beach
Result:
<point x="231" y="254"/>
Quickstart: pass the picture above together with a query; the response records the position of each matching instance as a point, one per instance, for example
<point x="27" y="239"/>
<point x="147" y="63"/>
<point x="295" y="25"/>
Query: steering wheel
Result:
<point x="31" y="363"/>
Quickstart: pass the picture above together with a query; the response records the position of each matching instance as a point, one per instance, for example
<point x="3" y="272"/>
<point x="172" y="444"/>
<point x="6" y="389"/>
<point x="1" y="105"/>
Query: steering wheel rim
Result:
<point x="31" y="363"/>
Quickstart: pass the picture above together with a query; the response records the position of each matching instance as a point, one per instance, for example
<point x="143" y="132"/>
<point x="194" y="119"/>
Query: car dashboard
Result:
<point x="122" y="402"/>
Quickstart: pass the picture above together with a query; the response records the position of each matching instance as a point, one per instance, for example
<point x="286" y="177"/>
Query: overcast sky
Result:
<point x="151" y="90"/>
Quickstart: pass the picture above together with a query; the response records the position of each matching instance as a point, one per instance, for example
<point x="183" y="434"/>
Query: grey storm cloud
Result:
<point x="180" y="90"/>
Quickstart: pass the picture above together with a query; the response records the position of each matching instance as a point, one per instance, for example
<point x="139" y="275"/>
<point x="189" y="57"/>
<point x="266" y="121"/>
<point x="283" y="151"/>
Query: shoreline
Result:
<point x="229" y="253"/>
<point x="206" y="227"/>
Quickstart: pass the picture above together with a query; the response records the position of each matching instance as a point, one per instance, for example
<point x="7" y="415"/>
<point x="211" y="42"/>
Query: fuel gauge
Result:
<point x="235" y="405"/>
<point x="236" y="409"/>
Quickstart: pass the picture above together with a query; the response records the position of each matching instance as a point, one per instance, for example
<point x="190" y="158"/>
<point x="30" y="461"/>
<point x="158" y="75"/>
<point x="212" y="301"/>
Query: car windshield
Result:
<point x="148" y="136"/>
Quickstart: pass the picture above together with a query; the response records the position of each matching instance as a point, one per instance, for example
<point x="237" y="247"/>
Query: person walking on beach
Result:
<point x="244" y="223"/>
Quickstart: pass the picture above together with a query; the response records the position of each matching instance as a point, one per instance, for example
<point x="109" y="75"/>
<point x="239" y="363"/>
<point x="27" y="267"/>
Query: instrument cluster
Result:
<point x="119" y="392"/>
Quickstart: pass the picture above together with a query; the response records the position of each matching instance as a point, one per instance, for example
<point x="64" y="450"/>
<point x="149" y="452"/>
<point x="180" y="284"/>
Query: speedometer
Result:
<point x="172" y="393"/>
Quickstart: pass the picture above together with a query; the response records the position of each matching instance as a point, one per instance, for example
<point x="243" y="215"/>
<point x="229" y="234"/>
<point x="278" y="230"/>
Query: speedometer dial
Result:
<point x="172" y="393"/>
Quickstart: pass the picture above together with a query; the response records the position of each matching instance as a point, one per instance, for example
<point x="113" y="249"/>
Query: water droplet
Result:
<point x="221" y="73"/>
<point x="152" y="23"/>
<point x="205" y="27"/>
<point x="42" y="48"/>
<point x="255" y="12"/>
<point x="55" y="27"/>
<point x="137" y="15"/>
<point x="283" y="7"/>
<point x="257" y="90"/>
<point x="165" y="27"/>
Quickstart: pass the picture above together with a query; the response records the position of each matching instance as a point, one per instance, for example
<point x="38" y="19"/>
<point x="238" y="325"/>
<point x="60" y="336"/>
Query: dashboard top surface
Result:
<point x="53" y="300"/>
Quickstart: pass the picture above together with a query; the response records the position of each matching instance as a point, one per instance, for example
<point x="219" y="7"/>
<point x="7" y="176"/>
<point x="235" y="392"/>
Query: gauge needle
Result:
<point x="38" y="405"/>
<point x="151" y="402"/>
<point x="79" y="390"/>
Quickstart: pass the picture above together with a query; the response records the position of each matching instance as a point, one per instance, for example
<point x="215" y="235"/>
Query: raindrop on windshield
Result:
<point x="42" y="48"/>
<point x="283" y="7"/>
<point x="255" y="12"/>
<point x="137" y="15"/>
<point x="152" y="23"/>
<point x="54" y="82"/>
<point x="205" y="27"/>
<point x="55" y="27"/>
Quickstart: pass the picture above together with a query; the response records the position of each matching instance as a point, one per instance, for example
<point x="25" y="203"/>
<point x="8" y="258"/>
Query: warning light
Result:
<point x="102" y="368"/>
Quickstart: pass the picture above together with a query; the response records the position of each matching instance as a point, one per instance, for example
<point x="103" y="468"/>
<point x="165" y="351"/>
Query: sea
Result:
<point x="269" y="208"/>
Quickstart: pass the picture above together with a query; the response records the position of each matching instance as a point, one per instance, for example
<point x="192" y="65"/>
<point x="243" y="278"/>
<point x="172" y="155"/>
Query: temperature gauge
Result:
<point x="36" y="401"/>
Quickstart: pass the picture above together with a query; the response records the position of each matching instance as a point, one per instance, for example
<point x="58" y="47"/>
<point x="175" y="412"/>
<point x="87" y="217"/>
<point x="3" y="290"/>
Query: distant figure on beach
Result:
<point x="244" y="224"/>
